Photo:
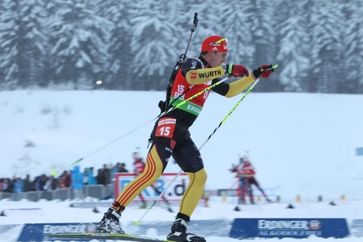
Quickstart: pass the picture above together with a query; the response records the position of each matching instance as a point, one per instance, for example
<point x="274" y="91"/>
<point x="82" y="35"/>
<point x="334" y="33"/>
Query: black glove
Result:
<point x="264" y="71"/>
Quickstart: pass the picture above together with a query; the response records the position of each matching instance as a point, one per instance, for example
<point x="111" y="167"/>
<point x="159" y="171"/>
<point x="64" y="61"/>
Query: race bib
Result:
<point x="165" y="128"/>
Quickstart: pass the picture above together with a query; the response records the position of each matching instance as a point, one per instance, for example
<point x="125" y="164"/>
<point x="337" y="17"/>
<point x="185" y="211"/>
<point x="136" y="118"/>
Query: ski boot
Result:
<point x="179" y="233"/>
<point x="110" y="222"/>
<point x="237" y="209"/>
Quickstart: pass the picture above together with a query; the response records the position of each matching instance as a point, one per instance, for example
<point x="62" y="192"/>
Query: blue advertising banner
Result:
<point x="289" y="228"/>
<point x="240" y="228"/>
<point x="35" y="232"/>
<point x="41" y="232"/>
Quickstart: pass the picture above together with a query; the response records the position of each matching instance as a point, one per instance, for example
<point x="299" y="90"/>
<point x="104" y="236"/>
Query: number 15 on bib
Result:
<point x="165" y="128"/>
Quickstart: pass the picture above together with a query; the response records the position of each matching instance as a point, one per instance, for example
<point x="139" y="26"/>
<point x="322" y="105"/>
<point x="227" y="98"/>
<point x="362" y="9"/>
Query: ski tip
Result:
<point x="275" y="66"/>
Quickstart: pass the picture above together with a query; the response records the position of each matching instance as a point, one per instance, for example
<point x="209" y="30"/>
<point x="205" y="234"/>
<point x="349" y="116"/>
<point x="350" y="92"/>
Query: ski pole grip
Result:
<point x="273" y="67"/>
<point x="195" y="22"/>
<point x="270" y="68"/>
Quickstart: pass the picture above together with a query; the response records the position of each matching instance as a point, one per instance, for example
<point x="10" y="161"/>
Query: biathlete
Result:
<point x="171" y="136"/>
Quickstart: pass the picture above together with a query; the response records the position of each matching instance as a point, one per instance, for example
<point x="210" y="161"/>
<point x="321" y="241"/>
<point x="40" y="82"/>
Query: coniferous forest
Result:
<point x="133" y="45"/>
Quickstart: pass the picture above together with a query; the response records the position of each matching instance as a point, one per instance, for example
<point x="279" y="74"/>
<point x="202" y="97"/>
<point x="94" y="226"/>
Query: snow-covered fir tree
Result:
<point x="2" y="11"/>
<point x="33" y="18"/>
<point x="135" y="44"/>
<point x="236" y="24"/>
<point x="353" y="47"/>
<point x="23" y="42"/>
<point x="293" y="46"/>
<point x="9" y="44"/>
<point x="153" y="43"/>
<point x="182" y="22"/>
<point x="119" y="46"/>
<point x="263" y="29"/>
<point x="79" y="38"/>
<point x="208" y="23"/>
<point x="327" y="28"/>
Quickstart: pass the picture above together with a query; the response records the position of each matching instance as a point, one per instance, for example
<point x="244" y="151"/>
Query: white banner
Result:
<point x="174" y="192"/>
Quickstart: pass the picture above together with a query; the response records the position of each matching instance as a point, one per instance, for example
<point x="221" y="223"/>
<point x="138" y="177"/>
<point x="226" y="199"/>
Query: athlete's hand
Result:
<point x="236" y="70"/>
<point x="263" y="71"/>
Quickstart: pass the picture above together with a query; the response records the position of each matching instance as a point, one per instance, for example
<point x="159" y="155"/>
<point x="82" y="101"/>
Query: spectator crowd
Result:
<point x="74" y="179"/>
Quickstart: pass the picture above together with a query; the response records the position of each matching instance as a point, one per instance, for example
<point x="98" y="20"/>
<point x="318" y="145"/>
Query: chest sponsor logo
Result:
<point x="210" y="74"/>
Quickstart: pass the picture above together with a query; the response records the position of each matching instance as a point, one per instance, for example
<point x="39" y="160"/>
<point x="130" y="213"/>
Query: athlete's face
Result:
<point x="217" y="58"/>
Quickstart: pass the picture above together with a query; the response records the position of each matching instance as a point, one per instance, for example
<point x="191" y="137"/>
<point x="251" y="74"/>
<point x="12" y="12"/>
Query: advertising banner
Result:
<point x="173" y="193"/>
<point x="289" y="228"/>
<point x="240" y="228"/>
<point x="39" y="231"/>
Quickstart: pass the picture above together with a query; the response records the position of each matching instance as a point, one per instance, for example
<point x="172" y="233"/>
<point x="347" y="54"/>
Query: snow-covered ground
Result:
<point x="57" y="212"/>
<point x="300" y="144"/>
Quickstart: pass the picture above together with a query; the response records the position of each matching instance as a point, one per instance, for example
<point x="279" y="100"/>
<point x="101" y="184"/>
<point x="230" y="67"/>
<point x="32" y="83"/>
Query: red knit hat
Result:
<point x="214" y="43"/>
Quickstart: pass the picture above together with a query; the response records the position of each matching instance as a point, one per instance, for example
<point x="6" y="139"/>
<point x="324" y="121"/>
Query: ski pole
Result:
<point x="231" y="111"/>
<point x="156" y="200"/>
<point x="195" y="23"/>
<point x="111" y="142"/>
<point x="148" y="122"/>
<point x="192" y="97"/>
<point x="235" y="106"/>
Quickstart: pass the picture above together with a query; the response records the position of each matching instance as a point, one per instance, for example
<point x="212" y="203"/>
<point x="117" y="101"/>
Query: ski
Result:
<point x="101" y="236"/>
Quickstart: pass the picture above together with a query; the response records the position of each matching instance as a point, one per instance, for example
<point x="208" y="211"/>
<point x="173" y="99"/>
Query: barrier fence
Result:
<point x="95" y="191"/>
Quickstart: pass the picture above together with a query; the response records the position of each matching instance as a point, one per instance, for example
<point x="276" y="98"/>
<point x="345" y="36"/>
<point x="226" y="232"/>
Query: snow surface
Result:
<point x="56" y="211"/>
<point x="300" y="144"/>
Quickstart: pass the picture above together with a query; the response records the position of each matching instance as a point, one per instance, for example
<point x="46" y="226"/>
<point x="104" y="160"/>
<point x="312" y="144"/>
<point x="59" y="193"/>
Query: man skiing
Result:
<point x="171" y="136"/>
